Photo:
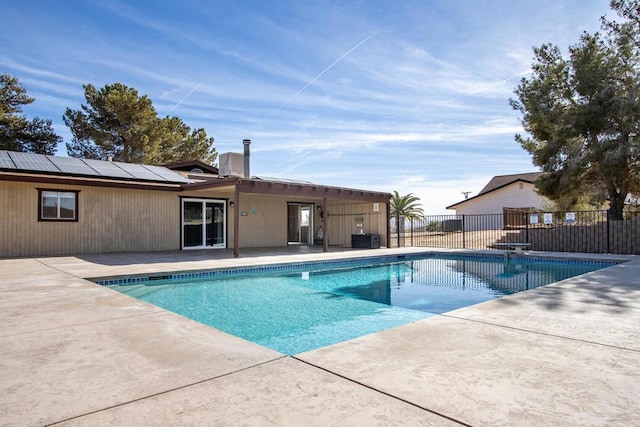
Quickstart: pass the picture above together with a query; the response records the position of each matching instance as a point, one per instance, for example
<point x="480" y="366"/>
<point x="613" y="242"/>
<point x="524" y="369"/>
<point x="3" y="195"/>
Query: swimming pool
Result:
<point x="301" y="307"/>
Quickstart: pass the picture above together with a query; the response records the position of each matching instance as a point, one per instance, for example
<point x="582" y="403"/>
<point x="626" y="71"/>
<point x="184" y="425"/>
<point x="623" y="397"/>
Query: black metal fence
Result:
<point x="579" y="231"/>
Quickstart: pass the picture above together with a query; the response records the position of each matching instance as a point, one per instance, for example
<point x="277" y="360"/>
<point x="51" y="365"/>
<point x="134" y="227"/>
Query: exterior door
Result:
<point x="203" y="224"/>
<point x="300" y="223"/>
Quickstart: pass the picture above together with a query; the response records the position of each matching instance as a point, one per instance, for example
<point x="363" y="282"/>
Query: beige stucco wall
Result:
<point x="109" y="220"/>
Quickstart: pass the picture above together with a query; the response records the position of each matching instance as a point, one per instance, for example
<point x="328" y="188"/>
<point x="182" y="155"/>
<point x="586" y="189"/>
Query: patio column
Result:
<point x="236" y="223"/>
<point x="325" y="238"/>
<point x="389" y="224"/>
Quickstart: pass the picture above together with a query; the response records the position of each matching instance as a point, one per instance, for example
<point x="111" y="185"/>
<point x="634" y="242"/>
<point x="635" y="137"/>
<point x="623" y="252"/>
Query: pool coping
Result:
<point x="356" y="260"/>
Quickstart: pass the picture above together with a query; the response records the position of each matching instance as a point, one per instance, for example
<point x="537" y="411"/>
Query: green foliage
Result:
<point x="116" y="122"/>
<point x="434" y="226"/>
<point x="406" y="206"/>
<point x="582" y="115"/>
<point x="180" y="143"/>
<point x="629" y="9"/>
<point x="12" y="95"/>
<point x="17" y="133"/>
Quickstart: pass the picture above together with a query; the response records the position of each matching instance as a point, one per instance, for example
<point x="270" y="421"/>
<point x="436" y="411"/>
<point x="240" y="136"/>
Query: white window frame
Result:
<point x="204" y="228"/>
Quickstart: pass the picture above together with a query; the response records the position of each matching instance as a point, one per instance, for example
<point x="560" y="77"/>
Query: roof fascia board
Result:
<point x="318" y="191"/>
<point x="254" y="186"/>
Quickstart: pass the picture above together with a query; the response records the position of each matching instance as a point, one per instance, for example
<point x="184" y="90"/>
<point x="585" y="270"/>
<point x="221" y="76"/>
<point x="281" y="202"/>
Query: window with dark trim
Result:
<point x="57" y="205"/>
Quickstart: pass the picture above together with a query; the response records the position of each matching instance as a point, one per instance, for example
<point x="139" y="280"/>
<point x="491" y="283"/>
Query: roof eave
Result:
<point x="291" y="188"/>
<point x="91" y="182"/>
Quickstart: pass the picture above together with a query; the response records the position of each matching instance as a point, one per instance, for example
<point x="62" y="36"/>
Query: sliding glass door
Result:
<point x="203" y="224"/>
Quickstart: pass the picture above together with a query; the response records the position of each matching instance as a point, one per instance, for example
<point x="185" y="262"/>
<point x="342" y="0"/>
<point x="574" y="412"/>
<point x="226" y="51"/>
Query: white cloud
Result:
<point x="421" y="107"/>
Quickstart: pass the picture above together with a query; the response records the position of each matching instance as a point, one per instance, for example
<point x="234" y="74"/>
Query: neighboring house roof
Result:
<point x="500" y="181"/>
<point x="504" y="180"/>
<point x="190" y="165"/>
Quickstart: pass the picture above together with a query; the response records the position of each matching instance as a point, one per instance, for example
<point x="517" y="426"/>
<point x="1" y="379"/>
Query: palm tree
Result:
<point x="406" y="207"/>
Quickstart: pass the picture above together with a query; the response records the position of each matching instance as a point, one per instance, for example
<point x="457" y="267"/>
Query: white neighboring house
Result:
<point x="515" y="191"/>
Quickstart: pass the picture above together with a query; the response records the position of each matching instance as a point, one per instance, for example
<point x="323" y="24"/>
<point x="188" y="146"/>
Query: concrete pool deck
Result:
<point x="76" y="353"/>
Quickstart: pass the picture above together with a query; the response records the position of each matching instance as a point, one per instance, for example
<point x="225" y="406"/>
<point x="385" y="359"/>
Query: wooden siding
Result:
<point x="343" y="220"/>
<point x="109" y="220"/>
<point x="265" y="224"/>
<point x="127" y="220"/>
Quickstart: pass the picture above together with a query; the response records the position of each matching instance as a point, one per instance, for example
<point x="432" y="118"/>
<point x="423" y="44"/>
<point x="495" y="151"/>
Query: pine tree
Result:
<point x="117" y="122"/>
<point x="17" y="133"/>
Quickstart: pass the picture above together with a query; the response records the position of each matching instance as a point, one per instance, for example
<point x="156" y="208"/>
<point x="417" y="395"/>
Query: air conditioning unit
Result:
<point x="231" y="164"/>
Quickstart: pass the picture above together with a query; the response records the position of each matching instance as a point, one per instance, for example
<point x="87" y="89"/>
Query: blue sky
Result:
<point x="380" y="95"/>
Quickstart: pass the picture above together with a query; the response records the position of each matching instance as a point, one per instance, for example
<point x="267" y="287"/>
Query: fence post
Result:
<point x="608" y="234"/>
<point x="411" y="231"/>
<point x="526" y="227"/>
<point x="463" y="242"/>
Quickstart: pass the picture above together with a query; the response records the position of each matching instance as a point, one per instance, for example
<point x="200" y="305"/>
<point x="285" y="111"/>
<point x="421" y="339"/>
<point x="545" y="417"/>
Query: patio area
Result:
<point x="76" y="353"/>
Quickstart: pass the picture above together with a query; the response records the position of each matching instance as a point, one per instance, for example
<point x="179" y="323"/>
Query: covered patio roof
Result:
<point x="290" y="188"/>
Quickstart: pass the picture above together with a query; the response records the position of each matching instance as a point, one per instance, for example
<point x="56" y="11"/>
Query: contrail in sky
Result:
<point x="320" y="75"/>
<point x="182" y="100"/>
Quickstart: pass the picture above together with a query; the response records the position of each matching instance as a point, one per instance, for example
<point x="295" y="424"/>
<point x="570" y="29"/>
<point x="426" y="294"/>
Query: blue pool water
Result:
<point x="305" y="307"/>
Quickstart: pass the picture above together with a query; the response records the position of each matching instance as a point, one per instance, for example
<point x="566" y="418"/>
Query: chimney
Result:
<point x="247" y="172"/>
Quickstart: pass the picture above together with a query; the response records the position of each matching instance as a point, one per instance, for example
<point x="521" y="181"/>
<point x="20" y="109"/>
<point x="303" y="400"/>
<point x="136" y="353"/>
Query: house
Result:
<point x="53" y="205"/>
<point x="503" y="195"/>
<point x="503" y="191"/>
